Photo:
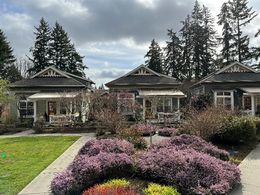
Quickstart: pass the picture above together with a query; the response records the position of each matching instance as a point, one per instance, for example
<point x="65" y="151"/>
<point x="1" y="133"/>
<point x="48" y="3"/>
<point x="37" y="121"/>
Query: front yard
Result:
<point x="24" y="158"/>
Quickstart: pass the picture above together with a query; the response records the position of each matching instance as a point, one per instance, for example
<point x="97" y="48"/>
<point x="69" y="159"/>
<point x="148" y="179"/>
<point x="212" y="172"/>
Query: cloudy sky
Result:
<point x="113" y="35"/>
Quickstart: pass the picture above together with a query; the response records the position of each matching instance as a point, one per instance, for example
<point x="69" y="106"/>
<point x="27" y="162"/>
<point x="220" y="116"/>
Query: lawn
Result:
<point x="24" y="158"/>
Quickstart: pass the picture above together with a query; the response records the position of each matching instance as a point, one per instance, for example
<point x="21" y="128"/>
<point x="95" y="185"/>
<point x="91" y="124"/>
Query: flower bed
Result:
<point x="192" y="171"/>
<point x="190" y="141"/>
<point x="156" y="189"/>
<point x="167" y="131"/>
<point x="145" y="129"/>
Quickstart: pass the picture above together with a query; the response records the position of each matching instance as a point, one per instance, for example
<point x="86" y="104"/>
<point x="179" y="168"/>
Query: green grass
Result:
<point x="23" y="158"/>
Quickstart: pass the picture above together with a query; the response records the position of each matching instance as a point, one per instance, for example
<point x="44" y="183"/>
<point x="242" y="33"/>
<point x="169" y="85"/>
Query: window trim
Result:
<point x="26" y="101"/>
<point x="224" y="96"/>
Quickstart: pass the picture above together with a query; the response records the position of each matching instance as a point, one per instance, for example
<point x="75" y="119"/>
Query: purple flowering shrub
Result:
<point x="94" y="147"/>
<point x="191" y="171"/>
<point x="190" y="141"/>
<point x="103" y="159"/>
<point x="167" y="131"/>
<point x="144" y="129"/>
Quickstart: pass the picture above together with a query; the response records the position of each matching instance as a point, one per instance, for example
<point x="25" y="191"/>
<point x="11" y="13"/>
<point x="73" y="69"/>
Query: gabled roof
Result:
<point x="53" y="77"/>
<point x="143" y="76"/>
<point x="235" y="72"/>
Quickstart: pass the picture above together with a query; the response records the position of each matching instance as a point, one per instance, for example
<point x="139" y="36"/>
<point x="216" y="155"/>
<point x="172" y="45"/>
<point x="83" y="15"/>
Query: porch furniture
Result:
<point x="168" y="118"/>
<point x="60" y="120"/>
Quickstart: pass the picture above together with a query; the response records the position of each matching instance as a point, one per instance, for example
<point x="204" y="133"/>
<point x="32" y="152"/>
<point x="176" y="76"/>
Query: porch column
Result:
<point x="34" y="111"/>
<point x="143" y="108"/>
<point x="178" y="103"/>
<point x="253" y="105"/>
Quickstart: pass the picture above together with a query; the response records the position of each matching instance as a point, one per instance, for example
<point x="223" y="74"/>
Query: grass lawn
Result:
<point x="24" y="158"/>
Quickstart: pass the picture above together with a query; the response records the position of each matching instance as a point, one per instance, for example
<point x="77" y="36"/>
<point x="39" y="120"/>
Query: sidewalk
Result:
<point x="250" y="178"/>
<point x="41" y="183"/>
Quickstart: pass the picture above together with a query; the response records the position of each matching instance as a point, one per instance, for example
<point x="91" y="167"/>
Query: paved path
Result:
<point x="41" y="183"/>
<point x="250" y="179"/>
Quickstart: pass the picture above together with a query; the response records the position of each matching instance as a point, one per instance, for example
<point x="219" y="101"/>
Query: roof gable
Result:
<point x="141" y="70"/>
<point x="235" y="67"/>
<point x="50" y="72"/>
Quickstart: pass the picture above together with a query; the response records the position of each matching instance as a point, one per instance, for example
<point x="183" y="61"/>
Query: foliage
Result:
<point x="196" y="143"/>
<point x="144" y="128"/>
<point x="117" y="183"/>
<point x="22" y="162"/>
<point x="204" y="123"/>
<point x="5" y="97"/>
<point x="154" y="56"/>
<point x="238" y="129"/>
<point x="156" y="189"/>
<point x="201" y="102"/>
<point x="167" y="131"/>
<point x="257" y="125"/>
<point x="192" y="171"/>
<point x="133" y="136"/>
<point x="94" y="147"/>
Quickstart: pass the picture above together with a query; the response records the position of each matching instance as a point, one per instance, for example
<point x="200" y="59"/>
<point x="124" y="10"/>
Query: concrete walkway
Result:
<point x="41" y="183"/>
<point x="250" y="178"/>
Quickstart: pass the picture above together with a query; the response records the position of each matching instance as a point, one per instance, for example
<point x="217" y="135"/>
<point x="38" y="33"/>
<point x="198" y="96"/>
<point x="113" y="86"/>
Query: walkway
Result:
<point x="41" y="183"/>
<point x="250" y="169"/>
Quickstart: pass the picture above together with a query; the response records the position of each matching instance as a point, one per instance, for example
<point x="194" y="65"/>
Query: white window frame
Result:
<point x="26" y="108"/>
<point x="224" y="96"/>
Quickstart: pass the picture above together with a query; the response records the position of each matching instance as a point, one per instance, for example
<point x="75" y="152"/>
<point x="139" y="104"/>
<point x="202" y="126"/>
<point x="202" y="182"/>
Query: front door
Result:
<point x="148" y="109"/>
<point x="52" y="108"/>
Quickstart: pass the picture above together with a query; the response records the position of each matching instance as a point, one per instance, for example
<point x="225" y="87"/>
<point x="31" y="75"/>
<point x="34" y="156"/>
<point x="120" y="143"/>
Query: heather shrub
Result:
<point x="64" y="183"/>
<point x="192" y="171"/>
<point x="190" y="141"/>
<point x="94" y="147"/>
<point x="167" y="131"/>
<point x="204" y="123"/>
<point x="238" y="129"/>
<point x="133" y="136"/>
<point x="156" y="189"/>
<point x="144" y="129"/>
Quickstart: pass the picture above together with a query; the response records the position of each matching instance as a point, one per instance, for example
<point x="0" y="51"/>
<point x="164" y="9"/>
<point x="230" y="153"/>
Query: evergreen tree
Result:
<point x="8" y="70"/>
<point x="186" y="39"/>
<point x="63" y="54"/>
<point x="40" y="50"/>
<point x="173" y="56"/>
<point x="154" y="56"/>
<point x="227" y="40"/>
<point x="241" y="16"/>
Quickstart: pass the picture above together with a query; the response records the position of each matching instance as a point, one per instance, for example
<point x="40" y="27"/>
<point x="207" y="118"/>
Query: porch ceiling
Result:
<point x="161" y="93"/>
<point x="54" y="95"/>
<point x="253" y="90"/>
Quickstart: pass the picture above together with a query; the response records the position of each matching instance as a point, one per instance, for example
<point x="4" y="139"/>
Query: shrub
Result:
<point x="205" y="123"/>
<point x="191" y="171"/>
<point x="257" y="125"/>
<point x="166" y="131"/>
<point x="144" y="129"/>
<point x="117" y="183"/>
<point x="238" y="129"/>
<point x="110" y="190"/>
<point x="94" y="147"/>
<point x="134" y="137"/>
<point x="190" y="141"/>
<point x="156" y="189"/>
<point x="64" y="183"/>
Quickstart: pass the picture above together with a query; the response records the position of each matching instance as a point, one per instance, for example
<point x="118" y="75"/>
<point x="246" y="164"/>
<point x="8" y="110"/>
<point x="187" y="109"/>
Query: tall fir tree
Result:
<point x="8" y="70"/>
<point x="227" y="39"/>
<point x="241" y="16"/>
<point x="154" y="55"/>
<point x="173" y="57"/>
<point x="40" y="50"/>
<point x="63" y="54"/>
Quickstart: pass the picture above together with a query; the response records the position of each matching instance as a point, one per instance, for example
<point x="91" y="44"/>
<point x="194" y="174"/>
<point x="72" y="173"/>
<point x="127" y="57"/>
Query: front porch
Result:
<point x="251" y="101"/>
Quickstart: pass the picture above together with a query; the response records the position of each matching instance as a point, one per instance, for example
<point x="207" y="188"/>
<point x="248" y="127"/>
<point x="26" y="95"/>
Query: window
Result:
<point x="224" y="99"/>
<point x="167" y="105"/>
<point x="26" y="108"/>
<point x="247" y="103"/>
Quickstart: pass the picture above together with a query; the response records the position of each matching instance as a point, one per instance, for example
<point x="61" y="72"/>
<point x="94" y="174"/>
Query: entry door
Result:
<point x="52" y="108"/>
<point x="148" y="109"/>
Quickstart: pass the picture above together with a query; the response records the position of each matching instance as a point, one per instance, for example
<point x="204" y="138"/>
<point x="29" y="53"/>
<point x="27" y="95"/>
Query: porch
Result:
<point x="251" y="101"/>
<point x="58" y="108"/>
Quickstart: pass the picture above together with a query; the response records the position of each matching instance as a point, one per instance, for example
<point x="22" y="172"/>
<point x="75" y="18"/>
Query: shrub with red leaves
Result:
<point x="110" y="190"/>
<point x="145" y="129"/>
<point x="167" y="131"/>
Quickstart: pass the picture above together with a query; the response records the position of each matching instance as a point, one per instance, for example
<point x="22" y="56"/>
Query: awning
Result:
<point x="254" y="90"/>
<point x="54" y="95"/>
<point x="177" y="93"/>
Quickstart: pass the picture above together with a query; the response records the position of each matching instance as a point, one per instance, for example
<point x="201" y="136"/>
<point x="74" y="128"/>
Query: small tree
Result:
<point x="4" y="96"/>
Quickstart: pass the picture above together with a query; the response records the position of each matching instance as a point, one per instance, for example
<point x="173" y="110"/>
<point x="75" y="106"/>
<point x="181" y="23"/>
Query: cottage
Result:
<point x="157" y="95"/>
<point x="52" y="95"/>
<point x="235" y="87"/>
